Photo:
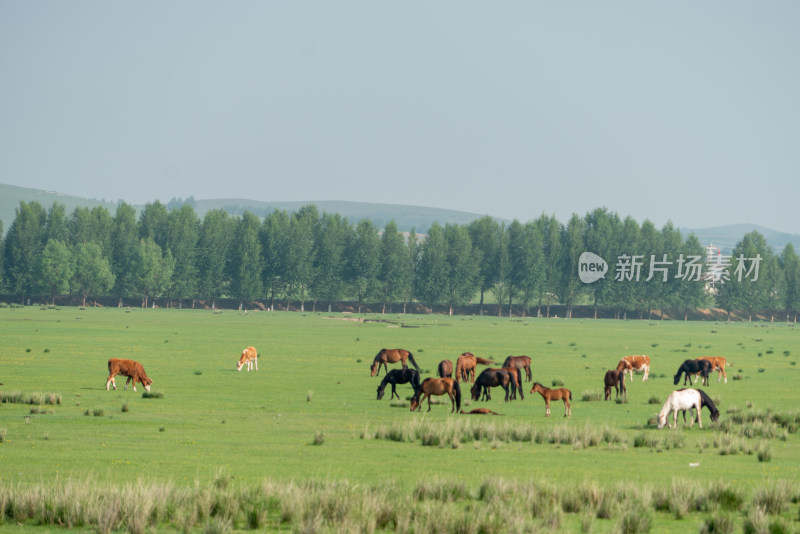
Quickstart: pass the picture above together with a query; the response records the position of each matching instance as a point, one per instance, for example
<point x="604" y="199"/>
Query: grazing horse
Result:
<point x="437" y="386"/>
<point x="480" y="411"/>
<point x="682" y="399"/>
<point x="614" y="379"/>
<point x="385" y="356"/>
<point x="249" y="357"/>
<point x="554" y="394"/>
<point x="635" y="363"/>
<point x="718" y="364"/>
<point x="445" y="369"/>
<point x="490" y="378"/>
<point x="705" y="401"/>
<point x="399" y="376"/>
<point x="692" y="367"/>
<point x="520" y="362"/>
<point x="465" y="366"/>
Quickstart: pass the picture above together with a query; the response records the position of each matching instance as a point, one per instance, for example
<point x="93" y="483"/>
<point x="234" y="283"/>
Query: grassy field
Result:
<point x="310" y="414"/>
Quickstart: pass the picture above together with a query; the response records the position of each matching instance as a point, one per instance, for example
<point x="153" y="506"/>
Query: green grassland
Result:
<point x="313" y="383"/>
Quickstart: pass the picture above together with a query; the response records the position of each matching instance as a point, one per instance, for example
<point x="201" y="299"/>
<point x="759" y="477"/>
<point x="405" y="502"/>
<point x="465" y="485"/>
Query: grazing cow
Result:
<point x="635" y="363"/>
<point x="249" y="357"/>
<point x="614" y="379"/>
<point x="133" y="370"/>
<point x="718" y="364"/>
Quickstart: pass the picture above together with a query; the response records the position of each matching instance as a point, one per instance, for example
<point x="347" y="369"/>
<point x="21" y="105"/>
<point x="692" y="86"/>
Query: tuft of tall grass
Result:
<point x="590" y="396"/>
<point x="36" y="398"/>
<point x="719" y="523"/>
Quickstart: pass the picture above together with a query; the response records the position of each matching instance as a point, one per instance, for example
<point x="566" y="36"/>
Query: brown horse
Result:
<point x="480" y="411"/>
<point x="520" y="362"/>
<point x="385" y="356"/>
<point x="554" y="394"/>
<point x="437" y="386"/>
<point x="465" y="366"/>
<point x="614" y="379"/>
<point x="516" y="382"/>
<point x="445" y="369"/>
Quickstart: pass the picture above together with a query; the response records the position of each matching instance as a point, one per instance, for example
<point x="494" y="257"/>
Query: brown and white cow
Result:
<point x="718" y="364"/>
<point x="635" y="363"/>
<point x="133" y="370"/>
<point x="249" y="358"/>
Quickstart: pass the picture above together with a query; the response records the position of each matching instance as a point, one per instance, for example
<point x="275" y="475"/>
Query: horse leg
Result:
<point x="394" y="393"/>
<point x="546" y="407"/>
<point x="112" y="382"/>
<point x="567" y="408"/>
<point x="452" y="402"/>
<point x="422" y="398"/>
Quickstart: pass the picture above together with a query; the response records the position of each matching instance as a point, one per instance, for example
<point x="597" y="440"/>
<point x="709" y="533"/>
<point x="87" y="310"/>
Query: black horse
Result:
<point x="691" y="367"/>
<point x="399" y="376"/>
<point x="705" y="401"/>
<point x="490" y="378"/>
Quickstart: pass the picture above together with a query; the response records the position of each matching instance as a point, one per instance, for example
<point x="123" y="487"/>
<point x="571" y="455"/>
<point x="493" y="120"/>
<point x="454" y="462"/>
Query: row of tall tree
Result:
<point x="319" y="258"/>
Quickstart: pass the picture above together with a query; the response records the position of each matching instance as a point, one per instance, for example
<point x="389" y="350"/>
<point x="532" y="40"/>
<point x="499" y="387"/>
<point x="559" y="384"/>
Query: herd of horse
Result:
<point x="510" y="377"/>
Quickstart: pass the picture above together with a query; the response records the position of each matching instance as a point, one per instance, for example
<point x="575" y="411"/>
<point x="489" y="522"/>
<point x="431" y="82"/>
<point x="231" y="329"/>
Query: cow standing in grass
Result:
<point x="249" y="358"/>
<point x="635" y="363"/>
<point x="133" y="370"/>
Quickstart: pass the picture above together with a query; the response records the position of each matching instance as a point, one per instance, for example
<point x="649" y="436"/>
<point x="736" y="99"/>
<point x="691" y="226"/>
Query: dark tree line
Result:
<point x="169" y="253"/>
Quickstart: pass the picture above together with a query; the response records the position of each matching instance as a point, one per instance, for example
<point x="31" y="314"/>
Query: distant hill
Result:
<point x="726" y="237"/>
<point x="406" y="217"/>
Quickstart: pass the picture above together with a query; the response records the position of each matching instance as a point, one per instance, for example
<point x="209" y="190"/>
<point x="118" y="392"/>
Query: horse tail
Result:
<point x="483" y="361"/>
<point x="457" y="387"/>
<point x="411" y="359"/>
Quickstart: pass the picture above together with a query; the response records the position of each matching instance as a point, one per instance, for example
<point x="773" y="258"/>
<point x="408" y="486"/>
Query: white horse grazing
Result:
<point x="682" y="399"/>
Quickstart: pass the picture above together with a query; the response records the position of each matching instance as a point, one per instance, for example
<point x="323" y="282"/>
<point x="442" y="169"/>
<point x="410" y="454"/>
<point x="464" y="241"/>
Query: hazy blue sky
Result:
<point x="682" y="111"/>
